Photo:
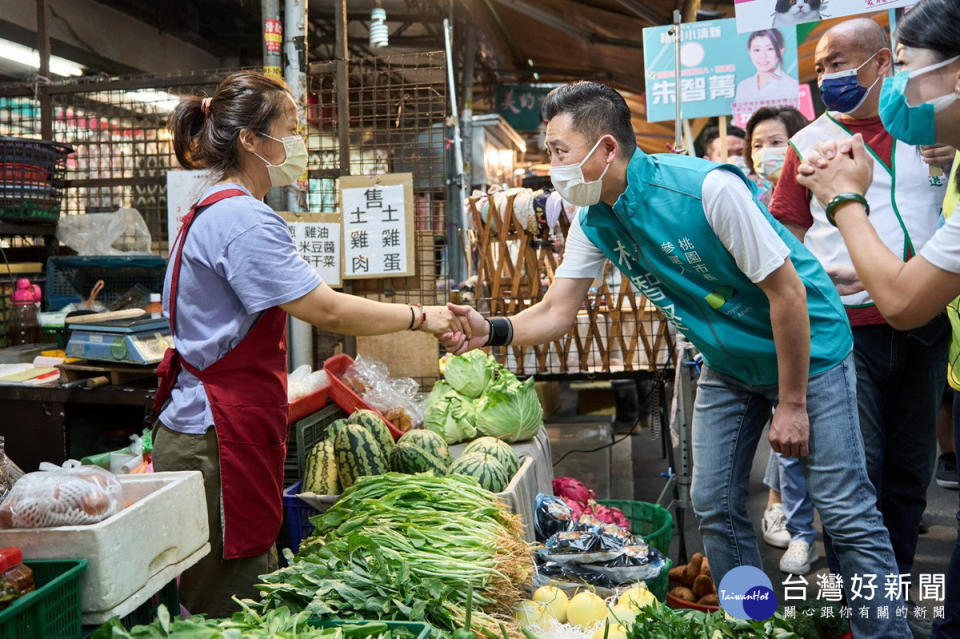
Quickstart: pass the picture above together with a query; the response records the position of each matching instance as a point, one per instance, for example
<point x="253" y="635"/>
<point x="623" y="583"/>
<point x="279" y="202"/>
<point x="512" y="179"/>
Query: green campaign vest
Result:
<point x="657" y="234"/>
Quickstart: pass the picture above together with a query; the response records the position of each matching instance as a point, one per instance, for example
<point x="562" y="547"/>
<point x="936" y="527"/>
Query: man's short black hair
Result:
<point x="711" y="133"/>
<point x="596" y="110"/>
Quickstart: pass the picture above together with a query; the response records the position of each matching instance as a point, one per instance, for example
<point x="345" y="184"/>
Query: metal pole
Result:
<point x="43" y="46"/>
<point x="469" y="58"/>
<point x="295" y="74"/>
<point x="455" y="216"/>
<point x="272" y="38"/>
<point x="342" y="56"/>
<point x="678" y="124"/>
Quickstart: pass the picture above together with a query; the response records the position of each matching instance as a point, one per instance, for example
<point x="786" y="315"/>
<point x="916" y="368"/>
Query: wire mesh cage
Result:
<point x="397" y="119"/>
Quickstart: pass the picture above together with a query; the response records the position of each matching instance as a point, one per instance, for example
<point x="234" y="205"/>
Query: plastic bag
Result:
<point x="61" y="496"/>
<point x="9" y="472"/>
<point x="398" y="398"/>
<point x="122" y="232"/>
<point x="126" y="459"/>
<point x="551" y="516"/>
<point x="304" y="381"/>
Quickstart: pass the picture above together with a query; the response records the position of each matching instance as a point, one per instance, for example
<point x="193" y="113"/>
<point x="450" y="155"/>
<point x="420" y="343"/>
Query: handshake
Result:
<point x="459" y="328"/>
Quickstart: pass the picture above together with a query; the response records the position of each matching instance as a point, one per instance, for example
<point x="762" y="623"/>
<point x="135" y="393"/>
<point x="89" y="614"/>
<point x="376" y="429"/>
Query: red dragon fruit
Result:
<point x="610" y="515"/>
<point x="574" y="506"/>
<point x="571" y="489"/>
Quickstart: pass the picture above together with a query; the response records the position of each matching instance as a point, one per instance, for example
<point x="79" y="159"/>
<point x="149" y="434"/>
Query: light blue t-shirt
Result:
<point x="238" y="261"/>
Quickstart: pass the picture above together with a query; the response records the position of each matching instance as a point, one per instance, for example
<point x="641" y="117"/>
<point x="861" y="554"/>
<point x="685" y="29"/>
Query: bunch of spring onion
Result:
<point x="408" y="547"/>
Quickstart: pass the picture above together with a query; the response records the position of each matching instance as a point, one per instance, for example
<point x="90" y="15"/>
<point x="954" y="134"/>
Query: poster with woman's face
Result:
<point x="753" y="15"/>
<point x="766" y="72"/>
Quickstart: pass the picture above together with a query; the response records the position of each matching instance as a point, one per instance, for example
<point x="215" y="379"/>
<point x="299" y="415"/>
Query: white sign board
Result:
<point x="318" y="241"/>
<point x="378" y="229"/>
<point x="753" y="15"/>
<point x="184" y="188"/>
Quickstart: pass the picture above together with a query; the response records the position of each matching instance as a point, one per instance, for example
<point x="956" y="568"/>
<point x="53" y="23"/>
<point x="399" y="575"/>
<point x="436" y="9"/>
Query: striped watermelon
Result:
<point x="358" y="454"/>
<point x="330" y="432"/>
<point x="484" y="468"/>
<point x="374" y="423"/>
<point x="320" y="475"/>
<point x="498" y="448"/>
<point x="407" y="458"/>
<point x="429" y="441"/>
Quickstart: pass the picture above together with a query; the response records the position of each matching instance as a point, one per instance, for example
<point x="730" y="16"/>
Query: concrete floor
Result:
<point x="632" y="470"/>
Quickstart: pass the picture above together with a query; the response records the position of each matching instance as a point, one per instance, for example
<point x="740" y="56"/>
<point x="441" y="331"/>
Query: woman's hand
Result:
<point x="441" y="320"/>
<point x="939" y="155"/>
<point x="837" y="167"/>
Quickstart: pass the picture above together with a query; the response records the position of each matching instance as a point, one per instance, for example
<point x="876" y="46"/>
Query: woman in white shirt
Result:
<point x="770" y="84"/>
<point x="919" y="105"/>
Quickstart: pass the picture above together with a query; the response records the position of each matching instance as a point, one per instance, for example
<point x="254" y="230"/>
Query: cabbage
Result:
<point x="510" y="409"/>
<point x="469" y="374"/>
<point x="449" y="414"/>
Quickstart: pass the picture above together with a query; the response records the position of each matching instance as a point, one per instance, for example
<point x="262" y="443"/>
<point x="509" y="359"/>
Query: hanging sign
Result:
<point x="378" y="230"/>
<point x="766" y="14"/>
<point x="519" y="104"/>
<point x="722" y="72"/>
<point x="318" y="241"/>
<point x="184" y="188"/>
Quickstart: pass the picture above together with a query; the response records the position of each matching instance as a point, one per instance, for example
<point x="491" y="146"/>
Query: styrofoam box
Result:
<point x="158" y="536"/>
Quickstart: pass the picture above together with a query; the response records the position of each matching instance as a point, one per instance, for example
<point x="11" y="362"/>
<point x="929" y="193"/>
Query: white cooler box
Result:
<point x="133" y="554"/>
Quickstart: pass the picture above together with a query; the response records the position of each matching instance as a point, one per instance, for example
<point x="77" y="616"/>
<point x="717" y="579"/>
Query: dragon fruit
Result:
<point x="571" y="489"/>
<point x="574" y="506"/>
<point x="609" y="515"/>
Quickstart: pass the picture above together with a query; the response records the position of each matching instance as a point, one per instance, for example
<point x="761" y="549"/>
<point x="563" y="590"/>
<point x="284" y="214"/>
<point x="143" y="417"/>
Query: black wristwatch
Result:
<point x="843" y="198"/>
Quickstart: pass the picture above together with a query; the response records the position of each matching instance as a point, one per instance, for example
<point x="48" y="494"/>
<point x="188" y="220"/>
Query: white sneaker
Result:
<point x="798" y="558"/>
<point x="774" y="526"/>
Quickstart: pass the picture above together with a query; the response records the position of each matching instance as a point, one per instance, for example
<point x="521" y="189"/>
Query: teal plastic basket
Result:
<point x="52" y="611"/>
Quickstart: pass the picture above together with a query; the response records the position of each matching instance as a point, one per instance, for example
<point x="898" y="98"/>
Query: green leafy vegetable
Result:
<point x="470" y="373"/>
<point x="510" y="409"/>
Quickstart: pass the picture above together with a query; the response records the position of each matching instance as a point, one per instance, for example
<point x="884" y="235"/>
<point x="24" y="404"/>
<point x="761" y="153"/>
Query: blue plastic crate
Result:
<point x="70" y="278"/>
<point x="298" y="513"/>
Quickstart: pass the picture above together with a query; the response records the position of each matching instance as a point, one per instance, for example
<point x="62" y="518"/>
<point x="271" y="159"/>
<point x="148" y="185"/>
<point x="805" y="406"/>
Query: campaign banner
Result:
<point x="722" y="72"/>
<point x="774" y="14"/>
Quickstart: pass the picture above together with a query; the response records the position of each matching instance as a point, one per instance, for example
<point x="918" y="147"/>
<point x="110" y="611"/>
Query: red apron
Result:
<point x="247" y="392"/>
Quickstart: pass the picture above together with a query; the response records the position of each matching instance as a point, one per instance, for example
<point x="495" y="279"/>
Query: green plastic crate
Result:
<point x="397" y="629"/>
<point x="52" y="611"/>
<point x="661" y="583"/>
<point x="652" y="522"/>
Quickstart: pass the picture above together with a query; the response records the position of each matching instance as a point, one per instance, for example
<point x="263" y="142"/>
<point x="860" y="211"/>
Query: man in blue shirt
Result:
<point x="693" y="238"/>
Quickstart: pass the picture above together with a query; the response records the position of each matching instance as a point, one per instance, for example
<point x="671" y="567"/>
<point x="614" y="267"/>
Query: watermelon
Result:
<point x="330" y="432"/>
<point x="429" y="441"/>
<point x="320" y="475"/>
<point x="374" y="423"/>
<point x="499" y="449"/>
<point x="358" y="454"/>
<point x="407" y="458"/>
<point x="485" y="468"/>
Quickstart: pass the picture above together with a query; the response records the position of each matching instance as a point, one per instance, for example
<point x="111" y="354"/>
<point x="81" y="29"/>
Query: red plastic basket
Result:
<point x="343" y="396"/>
<point x="307" y="405"/>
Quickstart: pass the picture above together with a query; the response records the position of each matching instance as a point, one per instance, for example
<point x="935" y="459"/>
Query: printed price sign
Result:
<point x="318" y="241"/>
<point x="378" y="230"/>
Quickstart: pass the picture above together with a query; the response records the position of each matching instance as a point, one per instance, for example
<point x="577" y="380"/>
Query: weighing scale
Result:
<point x="141" y="340"/>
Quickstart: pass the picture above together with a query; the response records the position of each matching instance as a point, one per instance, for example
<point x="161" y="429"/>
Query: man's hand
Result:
<point x="790" y="430"/>
<point x="474" y="336"/>
<point x="939" y="155"/>
<point x="836" y="167"/>
<point x="441" y="320"/>
<point x="845" y="279"/>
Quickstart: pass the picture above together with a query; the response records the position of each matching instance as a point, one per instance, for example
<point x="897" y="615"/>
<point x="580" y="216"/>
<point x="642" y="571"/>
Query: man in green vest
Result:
<point x="693" y="238"/>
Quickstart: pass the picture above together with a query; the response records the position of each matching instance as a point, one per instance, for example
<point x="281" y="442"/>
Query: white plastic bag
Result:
<point x="121" y="232"/>
<point x="61" y="496"/>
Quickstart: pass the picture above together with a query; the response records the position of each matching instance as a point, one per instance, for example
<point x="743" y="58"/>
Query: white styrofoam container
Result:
<point x="153" y="539"/>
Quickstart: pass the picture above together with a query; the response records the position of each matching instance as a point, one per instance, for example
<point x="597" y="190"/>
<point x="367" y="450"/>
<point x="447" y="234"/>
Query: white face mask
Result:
<point x="569" y="182"/>
<point x="293" y="165"/>
<point x="768" y="161"/>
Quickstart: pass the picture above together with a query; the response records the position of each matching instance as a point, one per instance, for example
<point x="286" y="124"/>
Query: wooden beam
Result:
<point x="565" y="25"/>
<point x="641" y="10"/>
<point x="488" y="23"/>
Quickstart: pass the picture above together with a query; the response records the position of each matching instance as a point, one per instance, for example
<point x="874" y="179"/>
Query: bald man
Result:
<point x="900" y="374"/>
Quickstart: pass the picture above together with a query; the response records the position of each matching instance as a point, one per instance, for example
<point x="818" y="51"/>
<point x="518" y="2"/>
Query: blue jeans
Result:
<point x="949" y="626"/>
<point x="728" y="420"/>
<point x="900" y="381"/>
<point x="785" y="475"/>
